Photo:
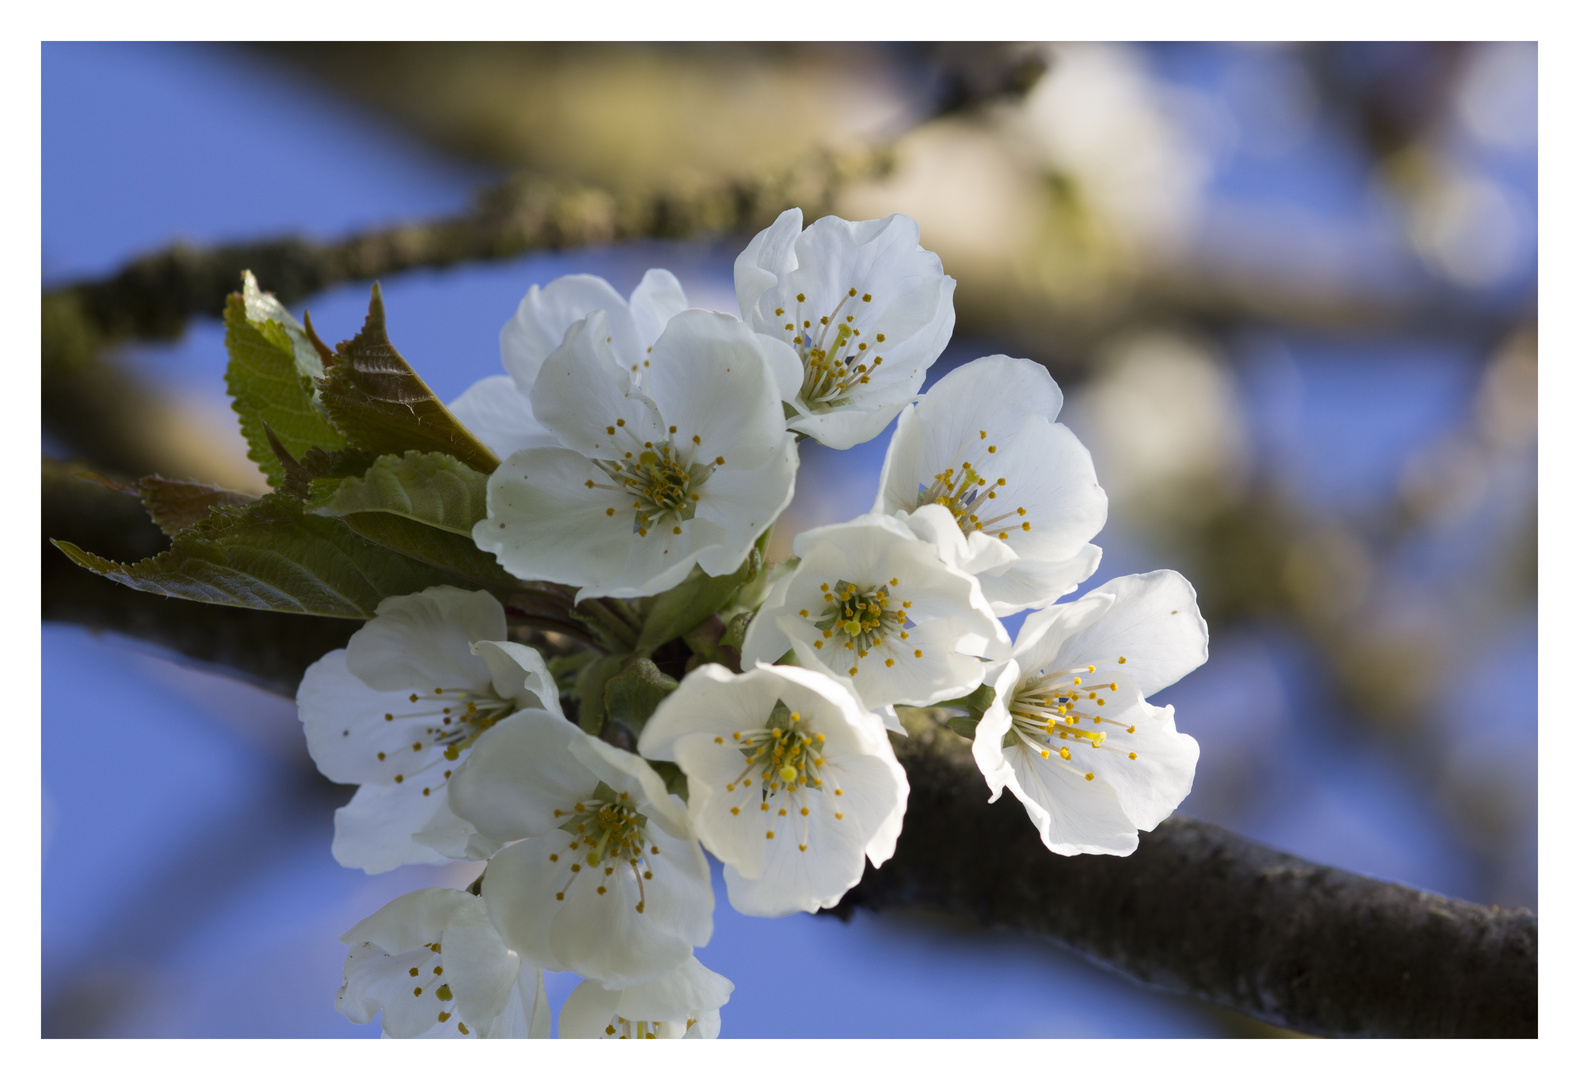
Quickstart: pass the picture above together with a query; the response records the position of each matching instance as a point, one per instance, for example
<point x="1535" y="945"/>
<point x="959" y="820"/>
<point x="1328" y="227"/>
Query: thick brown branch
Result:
<point x="1213" y="915"/>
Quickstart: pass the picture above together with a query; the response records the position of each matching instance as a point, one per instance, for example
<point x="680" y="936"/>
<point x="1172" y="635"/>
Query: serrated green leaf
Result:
<point x="435" y="547"/>
<point x="382" y="405"/>
<point x="177" y="505"/>
<point x="430" y="488"/>
<point x="271" y="376"/>
<point x="272" y="555"/>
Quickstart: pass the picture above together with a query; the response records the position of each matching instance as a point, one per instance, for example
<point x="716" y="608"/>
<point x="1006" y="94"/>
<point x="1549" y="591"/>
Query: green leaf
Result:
<point x="631" y="696"/>
<point x="430" y="488"/>
<point x="272" y="555"/>
<point x="177" y="505"/>
<point x="685" y="606"/>
<point x="376" y="398"/>
<point x="435" y="547"/>
<point x="271" y="377"/>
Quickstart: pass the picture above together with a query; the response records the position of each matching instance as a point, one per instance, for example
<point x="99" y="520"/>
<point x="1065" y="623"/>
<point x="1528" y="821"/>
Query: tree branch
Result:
<point x="1203" y="912"/>
<point x="1197" y="910"/>
<point x="154" y="296"/>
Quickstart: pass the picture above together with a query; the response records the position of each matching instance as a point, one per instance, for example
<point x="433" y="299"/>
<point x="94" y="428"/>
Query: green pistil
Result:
<point x="864" y="618"/>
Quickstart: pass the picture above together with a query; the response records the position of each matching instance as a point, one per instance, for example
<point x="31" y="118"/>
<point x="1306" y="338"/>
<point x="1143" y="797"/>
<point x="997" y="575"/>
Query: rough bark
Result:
<point x="1204" y="912"/>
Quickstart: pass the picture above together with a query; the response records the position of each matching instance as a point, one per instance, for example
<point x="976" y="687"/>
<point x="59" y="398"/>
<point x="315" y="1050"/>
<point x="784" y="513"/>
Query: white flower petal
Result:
<point x="555" y="916"/>
<point x="655" y="301"/>
<point x="546" y="313"/>
<point x="343" y="718"/>
<point x="757" y="268"/>
<point x="489" y="980"/>
<point x="1151" y="620"/>
<point x="545" y="524"/>
<point x="424" y="640"/>
<point x="374" y="831"/>
<point x="1007" y="588"/>
<point x="711" y="381"/>
<point x="1075" y="816"/>
<point x="743" y="503"/>
<point x="684" y="1001"/>
<point x="520" y="674"/>
<point x="582" y="392"/>
<point x="951" y="622"/>
<point x="874" y="280"/>
<point x="497" y="412"/>
<point x="792" y="803"/>
<point x="518" y="773"/>
<point x="1093" y="761"/>
<point x="982" y="442"/>
<point x="384" y="947"/>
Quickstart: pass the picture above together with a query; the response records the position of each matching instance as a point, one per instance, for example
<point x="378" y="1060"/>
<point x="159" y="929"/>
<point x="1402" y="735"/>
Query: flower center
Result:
<point x="835" y="360"/>
<point x="785" y="759"/>
<point x="970" y="497"/>
<point x="861" y="618"/>
<point x="663" y="485"/>
<point x="455" y="718"/>
<point x="606" y="830"/>
<point x="1048" y="710"/>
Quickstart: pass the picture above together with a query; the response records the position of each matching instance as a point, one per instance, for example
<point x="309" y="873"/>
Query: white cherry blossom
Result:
<point x="1021" y="489"/>
<point x="1070" y="731"/>
<point x="435" y="966"/>
<point x="682" y="463"/>
<point x="498" y="409"/>
<point x="682" y="1003"/>
<point x="881" y="610"/>
<point x="607" y="878"/>
<point x="864" y="306"/>
<point x="397" y="709"/>
<point x="793" y="784"/>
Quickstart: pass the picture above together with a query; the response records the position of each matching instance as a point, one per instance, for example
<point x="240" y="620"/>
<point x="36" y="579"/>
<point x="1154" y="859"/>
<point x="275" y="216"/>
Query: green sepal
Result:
<point x="688" y="604"/>
<point x="430" y="488"/>
<point x="271" y="378"/>
<point x="273" y="556"/>
<point x="591" y="709"/>
<point x="383" y="405"/>
<point x="735" y="632"/>
<point x="673" y="779"/>
<point x="975" y="705"/>
<point x="632" y="696"/>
